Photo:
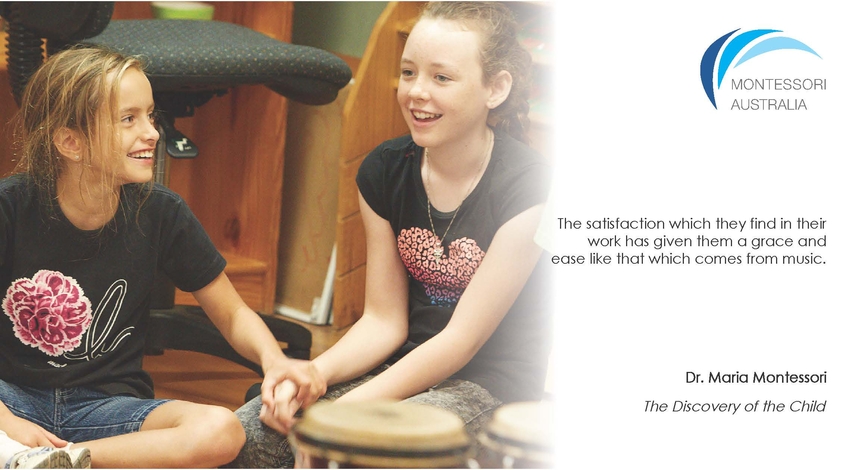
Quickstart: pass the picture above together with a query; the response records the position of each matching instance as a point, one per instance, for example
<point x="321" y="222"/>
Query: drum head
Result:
<point x="523" y="432"/>
<point x="382" y="434"/>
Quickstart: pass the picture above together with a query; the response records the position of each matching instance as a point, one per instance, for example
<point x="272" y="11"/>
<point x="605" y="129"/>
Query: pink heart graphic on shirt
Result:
<point x="444" y="278"/>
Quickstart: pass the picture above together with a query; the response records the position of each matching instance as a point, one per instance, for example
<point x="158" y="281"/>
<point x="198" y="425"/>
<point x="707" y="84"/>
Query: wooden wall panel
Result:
<point x="310" y="196"/>
<point x="349" y="202"/>
<point x="348" y="297"/>
<point x="371" y="116"/>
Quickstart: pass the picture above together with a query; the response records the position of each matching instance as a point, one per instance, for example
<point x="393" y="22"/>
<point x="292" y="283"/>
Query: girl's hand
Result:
<point x="289" y="385"/>
<point x="281" y="416"/>
<point x="29" y="434"/>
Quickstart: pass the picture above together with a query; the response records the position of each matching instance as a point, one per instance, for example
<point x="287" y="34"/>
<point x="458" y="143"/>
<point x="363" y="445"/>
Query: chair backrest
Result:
<point x="60" y="23"/>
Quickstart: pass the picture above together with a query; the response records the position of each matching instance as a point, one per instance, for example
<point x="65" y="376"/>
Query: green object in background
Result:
<point x="340" y="27"/>
<point x="182" y="10"/>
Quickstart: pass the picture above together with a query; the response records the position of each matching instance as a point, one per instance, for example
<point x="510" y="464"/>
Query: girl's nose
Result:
<point x="150" y="132"/>
<point x="418" y="91"/>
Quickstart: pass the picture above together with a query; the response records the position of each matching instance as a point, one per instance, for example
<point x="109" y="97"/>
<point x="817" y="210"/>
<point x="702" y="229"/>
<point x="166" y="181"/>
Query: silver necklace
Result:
<point x="438" y="251"/>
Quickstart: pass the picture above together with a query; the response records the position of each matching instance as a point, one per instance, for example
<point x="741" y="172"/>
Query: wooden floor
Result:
<point x="207" y="379"/>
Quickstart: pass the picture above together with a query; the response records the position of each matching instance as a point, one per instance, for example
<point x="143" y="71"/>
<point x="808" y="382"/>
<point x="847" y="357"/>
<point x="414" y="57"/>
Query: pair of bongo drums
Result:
<point x="407" y="435"/>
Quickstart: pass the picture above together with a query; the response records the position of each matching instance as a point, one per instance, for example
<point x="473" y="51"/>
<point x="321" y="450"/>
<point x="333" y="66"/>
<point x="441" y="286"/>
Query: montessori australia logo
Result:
<point x="763" y="92"/>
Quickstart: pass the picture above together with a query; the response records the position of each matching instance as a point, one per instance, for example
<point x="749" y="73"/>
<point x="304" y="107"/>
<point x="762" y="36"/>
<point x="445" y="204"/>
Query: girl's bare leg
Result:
<point x="176" y="434"/>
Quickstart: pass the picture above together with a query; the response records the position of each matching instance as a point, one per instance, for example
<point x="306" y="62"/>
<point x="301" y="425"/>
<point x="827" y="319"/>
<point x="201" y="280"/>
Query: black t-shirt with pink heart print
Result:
<point x="512" y="364"/>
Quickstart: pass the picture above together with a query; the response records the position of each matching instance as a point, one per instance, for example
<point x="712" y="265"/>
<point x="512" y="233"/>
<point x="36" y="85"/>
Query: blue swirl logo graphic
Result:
<point x="734" y="47"/>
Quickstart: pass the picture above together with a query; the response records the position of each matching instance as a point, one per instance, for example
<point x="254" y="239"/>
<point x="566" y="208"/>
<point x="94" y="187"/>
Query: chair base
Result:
<point x="187" y="328"/>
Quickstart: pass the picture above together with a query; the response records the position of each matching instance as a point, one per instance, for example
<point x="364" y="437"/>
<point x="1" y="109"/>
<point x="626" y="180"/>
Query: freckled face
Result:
<point x="441" y="91"/>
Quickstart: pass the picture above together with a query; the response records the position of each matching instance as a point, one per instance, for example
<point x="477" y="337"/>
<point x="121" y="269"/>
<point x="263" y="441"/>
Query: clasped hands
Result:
<point x="286" y="388"/>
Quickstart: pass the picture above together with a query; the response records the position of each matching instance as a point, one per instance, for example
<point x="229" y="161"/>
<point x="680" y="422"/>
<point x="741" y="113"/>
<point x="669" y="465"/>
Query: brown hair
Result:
<point x="500" y="50"/>
<point x="70" y="90"/>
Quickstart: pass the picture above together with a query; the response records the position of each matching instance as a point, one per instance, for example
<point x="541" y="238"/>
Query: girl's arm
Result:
<point x="250" y="337"/>
<point x="488" y="297"/>
<point x="383" y="327"/>
<point x="375" y="336"/>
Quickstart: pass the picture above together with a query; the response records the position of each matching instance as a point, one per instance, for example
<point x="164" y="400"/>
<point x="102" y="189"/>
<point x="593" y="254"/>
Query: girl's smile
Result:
<point x="441" y="89"/>
<point x="136" y="128"/>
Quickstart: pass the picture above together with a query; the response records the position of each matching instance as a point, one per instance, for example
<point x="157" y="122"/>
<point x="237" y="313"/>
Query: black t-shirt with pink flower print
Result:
<point x="76" y="303"/>
<point x="512" y="364"/>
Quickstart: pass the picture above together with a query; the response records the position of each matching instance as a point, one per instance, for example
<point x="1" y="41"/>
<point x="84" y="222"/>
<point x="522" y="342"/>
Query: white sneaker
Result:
<point x="80" y="457"/>
<point x="40" y="457"/>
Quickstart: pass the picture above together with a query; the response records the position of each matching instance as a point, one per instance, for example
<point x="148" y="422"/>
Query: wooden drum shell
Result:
<point x="379" y="434"/>
<point x="518" y="436"/>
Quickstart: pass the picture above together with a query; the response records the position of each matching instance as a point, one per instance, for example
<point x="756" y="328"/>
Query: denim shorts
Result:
<point x="77" y="414"/>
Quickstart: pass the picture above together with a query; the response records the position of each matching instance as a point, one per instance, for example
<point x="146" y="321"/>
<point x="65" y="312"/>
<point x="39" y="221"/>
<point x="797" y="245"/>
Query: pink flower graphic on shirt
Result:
<point x="48" y="312"/>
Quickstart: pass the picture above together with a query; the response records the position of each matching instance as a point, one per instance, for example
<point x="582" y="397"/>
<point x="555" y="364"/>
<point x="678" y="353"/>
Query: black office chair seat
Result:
<point x="191" y="56"/>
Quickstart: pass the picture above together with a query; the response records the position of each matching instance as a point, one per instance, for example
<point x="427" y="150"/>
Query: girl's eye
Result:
<point x="127" y="119"/>
<point x="407" y="73"/>
<point x="442" y="78"/>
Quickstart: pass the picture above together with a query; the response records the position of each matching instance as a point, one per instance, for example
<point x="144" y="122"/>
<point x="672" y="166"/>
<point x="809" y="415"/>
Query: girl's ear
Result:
<point x="68" y="143"/>
<point x="500" y="88"/>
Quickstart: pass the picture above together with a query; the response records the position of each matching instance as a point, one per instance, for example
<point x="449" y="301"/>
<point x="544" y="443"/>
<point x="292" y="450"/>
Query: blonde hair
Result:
<point x="500" y="50"/>
<point x="71" y="90"/>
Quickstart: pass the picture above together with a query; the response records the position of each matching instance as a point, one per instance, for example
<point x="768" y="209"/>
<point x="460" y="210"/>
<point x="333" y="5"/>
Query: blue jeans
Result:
<point x="266" y="448"/>
<point x="77" y="414"/>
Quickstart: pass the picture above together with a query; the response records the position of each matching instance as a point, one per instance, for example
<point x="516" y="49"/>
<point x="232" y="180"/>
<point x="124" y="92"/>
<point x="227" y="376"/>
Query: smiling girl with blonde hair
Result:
<point x="83" y="231"/>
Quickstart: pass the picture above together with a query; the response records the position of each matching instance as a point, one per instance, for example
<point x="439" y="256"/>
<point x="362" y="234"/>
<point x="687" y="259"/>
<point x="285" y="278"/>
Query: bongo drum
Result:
<point x="379" y="434"/>
<point x="518" y="436"/>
